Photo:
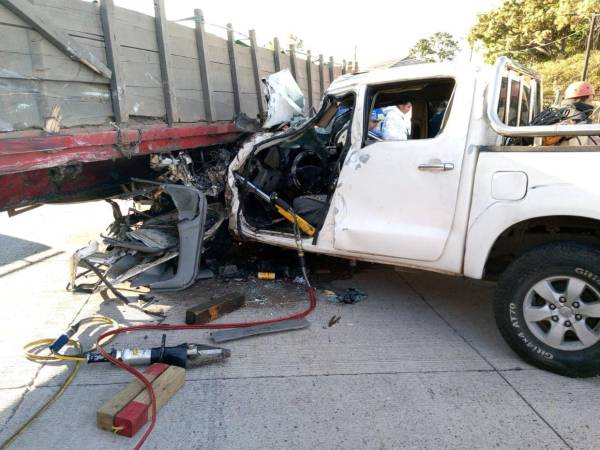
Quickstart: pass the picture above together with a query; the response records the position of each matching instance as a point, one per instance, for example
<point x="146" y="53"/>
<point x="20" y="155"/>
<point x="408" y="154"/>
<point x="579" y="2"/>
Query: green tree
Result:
<point x="557" y="75"/>
<point x="534" y="31"/>
<point x="291" y="39"/>
<point x="438" y="47"/>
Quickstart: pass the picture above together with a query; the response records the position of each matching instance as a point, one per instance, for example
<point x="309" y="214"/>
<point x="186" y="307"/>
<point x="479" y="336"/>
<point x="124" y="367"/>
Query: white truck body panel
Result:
<point x="558" y="184"/>
<point x="386" y="210"/>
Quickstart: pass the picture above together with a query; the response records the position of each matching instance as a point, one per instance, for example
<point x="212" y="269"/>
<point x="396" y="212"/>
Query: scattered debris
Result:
<point x="214" y="308"/>
<point x="230" y="271"/>
<point x="266" y="275"/>
<point x="52" y="124"/>
<point x="334" y="320"/>
<point x="285" y="99"/>
<point x="349" y="296"/>
<point x="299" y="280"/>
<point x="241" y="333"/>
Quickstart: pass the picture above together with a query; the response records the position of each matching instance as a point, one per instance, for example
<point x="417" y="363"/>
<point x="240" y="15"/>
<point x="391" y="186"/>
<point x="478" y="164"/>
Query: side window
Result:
<point x="409" y="110"/>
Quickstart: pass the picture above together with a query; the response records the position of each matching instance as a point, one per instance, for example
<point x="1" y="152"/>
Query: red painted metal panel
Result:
<point x="30" y="162"/>
<point x="27" y="152"/>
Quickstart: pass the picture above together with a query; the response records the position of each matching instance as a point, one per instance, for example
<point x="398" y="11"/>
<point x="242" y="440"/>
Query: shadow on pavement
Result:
<point x="15" y="249"/>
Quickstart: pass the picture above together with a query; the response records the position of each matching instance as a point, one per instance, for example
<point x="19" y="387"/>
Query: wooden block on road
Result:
<point x="138" y="411"/>
<point x="214" y="308"/>
<point x="105" y="416"/>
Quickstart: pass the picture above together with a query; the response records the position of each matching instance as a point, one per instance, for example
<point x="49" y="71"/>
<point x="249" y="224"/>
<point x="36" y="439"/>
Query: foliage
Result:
<point x="296" y="41"/>
<point x="438" y="47"/>
<point x="560" y="73"/>
<point x="534" y="30"/>
<point x="291" y="39"/>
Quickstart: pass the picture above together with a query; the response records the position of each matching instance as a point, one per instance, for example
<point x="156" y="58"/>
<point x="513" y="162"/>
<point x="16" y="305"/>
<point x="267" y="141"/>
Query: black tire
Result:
<point x="570" y="259"/>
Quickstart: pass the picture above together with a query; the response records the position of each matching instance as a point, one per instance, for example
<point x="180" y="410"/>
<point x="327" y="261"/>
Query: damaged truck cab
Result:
<point x="458" y="197"/>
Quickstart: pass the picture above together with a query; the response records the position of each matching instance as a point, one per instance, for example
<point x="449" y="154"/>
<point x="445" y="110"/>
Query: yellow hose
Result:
<point x="32" y="353"/>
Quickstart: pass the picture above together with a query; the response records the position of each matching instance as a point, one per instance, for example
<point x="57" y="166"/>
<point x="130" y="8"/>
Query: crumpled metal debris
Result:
<point x="285" y="99"/>
<point x="348" y="296"/>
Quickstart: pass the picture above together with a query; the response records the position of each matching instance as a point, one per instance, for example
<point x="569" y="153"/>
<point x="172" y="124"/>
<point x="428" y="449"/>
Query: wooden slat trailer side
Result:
<point x="88" y="90"/>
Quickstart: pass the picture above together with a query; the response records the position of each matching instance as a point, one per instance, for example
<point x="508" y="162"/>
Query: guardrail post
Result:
<point x="162" y="37"/>
<point x="309" y="78"/>
<point x="254" y="56"/>
<point x="209" y="105"/>
<point x="117" y="82"/>
<point x="233" y="68"/>
<point x="293" y="61"/>
<point x="276" y="54"/>
<point x="321" y="74"/>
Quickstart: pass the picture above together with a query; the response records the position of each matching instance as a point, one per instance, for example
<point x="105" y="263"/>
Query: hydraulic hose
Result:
<point x="136" y="373"/>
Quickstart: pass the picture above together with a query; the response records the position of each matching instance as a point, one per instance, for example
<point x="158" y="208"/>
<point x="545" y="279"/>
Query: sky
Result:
<point x="379" y="30"/>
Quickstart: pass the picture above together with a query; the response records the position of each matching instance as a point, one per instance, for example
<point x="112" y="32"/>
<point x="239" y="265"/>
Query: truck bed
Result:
<point x="86" y="83"/>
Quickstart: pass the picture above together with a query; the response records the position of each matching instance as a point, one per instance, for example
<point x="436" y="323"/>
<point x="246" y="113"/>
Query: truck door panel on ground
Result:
<point x="398" y="198"/>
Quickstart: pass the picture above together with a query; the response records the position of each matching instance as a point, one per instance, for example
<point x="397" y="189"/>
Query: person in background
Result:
<point x="435" y="123"/>
<point x="579" y="99"/>
<point x="397" y="123"/>
<point x="376" y="119"/>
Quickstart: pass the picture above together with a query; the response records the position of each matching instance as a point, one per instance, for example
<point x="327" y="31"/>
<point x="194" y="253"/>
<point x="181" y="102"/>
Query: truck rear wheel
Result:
<point x="547" y="307"/>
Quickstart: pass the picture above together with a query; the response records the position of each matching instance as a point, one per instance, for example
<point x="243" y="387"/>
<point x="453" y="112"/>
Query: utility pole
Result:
<point x="588" y="47"/>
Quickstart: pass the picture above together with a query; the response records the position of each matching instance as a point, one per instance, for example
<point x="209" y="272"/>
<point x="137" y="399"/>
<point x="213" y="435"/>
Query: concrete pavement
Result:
<point x="419" y="364"/>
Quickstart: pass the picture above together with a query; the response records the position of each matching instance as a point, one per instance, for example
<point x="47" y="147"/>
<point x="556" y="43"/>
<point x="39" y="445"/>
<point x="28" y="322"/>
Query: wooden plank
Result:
<point x="19" y="106"/>
<point x="135" y="30"/>
<point x="256" y="70"/>
<point x="331" y="76"/>
<point x="309" y="78"/>
<point x="117" y="82"/>
<point x="315" y="85"/>
<point x="301" y="77"/>
<point x="105" y="415"/>
<point x="146" y="101"/>
<point x="233" y="69"/>
<point x="27" y="12"/>
<point x="284" y="61"/>
<point x="276" y="54"/>
<point x="165" y="61"/>
<point x="209" y="104"/>
<point x="266" y="62"/>
<point x="137" y="412"/>
<point x="224" y="105"/>
<point x="190" y="105"/>
<point x="80" y="103"/>
<point x="214" y="308"/>
<point x="24" y="54"/>
<point x="218" y="49"/>
<point x="293" y="61"/>
<point x="321" y="74"/>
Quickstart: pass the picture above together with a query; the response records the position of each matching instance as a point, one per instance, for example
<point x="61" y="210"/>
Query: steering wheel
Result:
<point x="309" y="172"/>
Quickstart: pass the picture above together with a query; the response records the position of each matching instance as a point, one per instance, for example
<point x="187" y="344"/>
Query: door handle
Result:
<point x="436" y="166"/>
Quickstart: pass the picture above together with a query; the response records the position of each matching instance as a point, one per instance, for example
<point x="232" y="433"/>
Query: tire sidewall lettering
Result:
<point x="514" y="317"/>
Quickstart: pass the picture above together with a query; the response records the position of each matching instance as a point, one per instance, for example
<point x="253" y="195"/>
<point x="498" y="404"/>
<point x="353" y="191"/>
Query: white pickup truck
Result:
<point x="456" y="198"/>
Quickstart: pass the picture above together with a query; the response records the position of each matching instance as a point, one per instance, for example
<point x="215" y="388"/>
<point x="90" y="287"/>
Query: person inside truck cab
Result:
<point x="397" y="123"/>
<point x="376" y="119"/>
<point x="579" y="99"/>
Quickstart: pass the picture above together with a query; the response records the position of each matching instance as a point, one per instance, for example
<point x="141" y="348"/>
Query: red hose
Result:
<point x="313" y="303"/>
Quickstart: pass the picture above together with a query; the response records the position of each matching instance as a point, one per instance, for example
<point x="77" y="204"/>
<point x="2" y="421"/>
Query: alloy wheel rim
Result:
<point x="563" y="312"/>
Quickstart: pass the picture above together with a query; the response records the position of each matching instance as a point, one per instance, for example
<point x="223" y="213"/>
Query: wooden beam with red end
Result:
<point x="138" y="411"/>
<point x="105" y="416"/>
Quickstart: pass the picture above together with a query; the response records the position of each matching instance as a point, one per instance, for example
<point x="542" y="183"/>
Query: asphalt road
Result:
<point x="419" y="364"/>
